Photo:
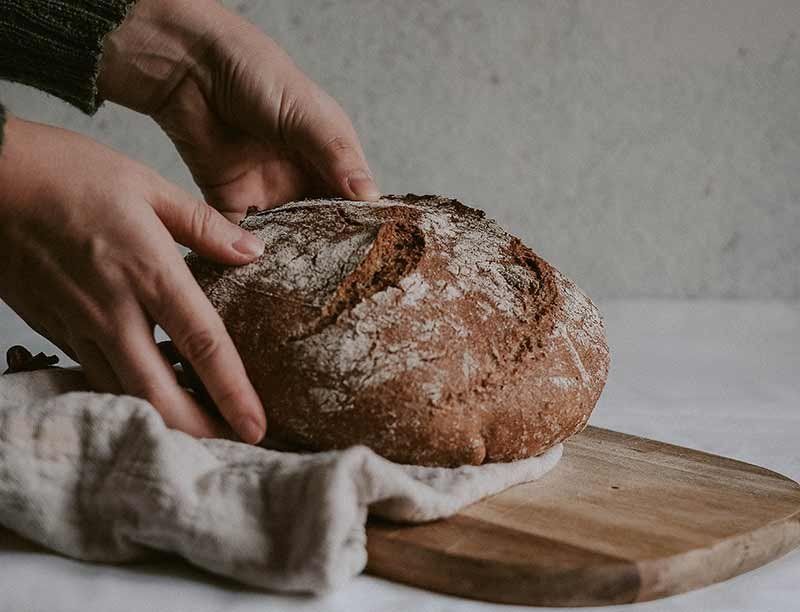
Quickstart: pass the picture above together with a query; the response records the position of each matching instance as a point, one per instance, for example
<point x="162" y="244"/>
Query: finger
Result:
<point x="144" y="372"/>
<point x="198" y="226"/>
<point x="181" y="308"/>
<point x="317" y="127"/>
<point x="95" y="366"/>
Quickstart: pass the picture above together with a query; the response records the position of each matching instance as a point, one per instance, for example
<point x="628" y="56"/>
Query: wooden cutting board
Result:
<point x="620" y="519"/>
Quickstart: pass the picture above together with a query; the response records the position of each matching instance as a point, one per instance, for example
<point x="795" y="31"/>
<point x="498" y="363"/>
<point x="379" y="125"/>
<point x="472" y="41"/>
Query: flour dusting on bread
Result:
<point x="414" y="325"/>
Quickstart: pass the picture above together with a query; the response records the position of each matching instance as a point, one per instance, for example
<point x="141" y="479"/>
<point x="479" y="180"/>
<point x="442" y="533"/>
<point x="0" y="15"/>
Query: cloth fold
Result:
<point x="99" y="477"/>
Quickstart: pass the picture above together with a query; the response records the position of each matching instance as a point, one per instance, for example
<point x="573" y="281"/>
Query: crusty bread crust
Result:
<point x="415" y="326"/>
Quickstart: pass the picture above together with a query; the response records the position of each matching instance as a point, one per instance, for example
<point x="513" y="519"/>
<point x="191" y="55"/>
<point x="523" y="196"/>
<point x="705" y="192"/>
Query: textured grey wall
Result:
<point x="644" y="147"/>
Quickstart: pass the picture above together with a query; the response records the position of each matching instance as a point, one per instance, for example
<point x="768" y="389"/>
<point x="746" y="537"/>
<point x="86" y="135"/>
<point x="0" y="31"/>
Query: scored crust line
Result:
<point x="562" y="331"/>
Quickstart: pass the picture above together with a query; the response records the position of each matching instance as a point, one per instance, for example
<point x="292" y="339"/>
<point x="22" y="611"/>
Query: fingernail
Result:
<point x="250" y="431"/>
<point x="249" y="245"/>
<point x="362" y="186"/>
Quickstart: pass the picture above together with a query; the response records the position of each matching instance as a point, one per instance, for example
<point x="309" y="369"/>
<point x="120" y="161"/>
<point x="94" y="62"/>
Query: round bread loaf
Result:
<point x="415" y="326"/>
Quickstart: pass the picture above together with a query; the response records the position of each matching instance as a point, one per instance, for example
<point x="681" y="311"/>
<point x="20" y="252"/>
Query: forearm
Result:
<point x="56" y="45"/>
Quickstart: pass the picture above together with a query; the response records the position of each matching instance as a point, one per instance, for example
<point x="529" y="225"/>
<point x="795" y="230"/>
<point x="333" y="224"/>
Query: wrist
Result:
<point x="18" y="184"/>
<point x="32" y="168"/>
<point x="159" y="43"/>
<point x="10" y="181"/>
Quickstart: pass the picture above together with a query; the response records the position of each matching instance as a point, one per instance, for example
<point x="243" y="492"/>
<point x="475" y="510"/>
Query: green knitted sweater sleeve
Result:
<point x="56" y="45"/>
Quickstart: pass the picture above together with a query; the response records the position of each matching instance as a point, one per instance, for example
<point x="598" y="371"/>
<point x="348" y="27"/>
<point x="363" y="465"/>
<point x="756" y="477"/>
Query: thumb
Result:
<point x="203" y="229"/>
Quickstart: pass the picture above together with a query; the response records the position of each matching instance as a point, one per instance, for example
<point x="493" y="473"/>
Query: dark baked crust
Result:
<point x="415" y="326"/>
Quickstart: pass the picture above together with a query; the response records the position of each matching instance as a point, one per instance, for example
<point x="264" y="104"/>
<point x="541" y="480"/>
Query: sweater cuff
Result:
<point x="56" y="45"/>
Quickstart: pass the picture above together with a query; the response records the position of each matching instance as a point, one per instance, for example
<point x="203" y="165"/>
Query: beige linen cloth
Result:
<point x="99" y="477"/>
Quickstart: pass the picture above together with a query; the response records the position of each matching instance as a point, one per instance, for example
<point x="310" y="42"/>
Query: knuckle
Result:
<point x="292" y="120"/>
<point x="200" y="345"/>
<point x="134" y="177"/>
<point x="339" y="146"/>
<point x="155" y="288"/>
<point x="98" y="250"/>
<point x="202" y="221"/>
<point x="101" y="263"/>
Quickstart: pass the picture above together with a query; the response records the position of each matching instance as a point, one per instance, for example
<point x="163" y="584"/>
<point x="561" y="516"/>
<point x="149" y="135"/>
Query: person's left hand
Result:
<point x="252" y="128"/>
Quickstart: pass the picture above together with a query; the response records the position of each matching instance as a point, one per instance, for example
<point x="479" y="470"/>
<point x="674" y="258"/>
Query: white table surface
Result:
<point x="719" y="376"/>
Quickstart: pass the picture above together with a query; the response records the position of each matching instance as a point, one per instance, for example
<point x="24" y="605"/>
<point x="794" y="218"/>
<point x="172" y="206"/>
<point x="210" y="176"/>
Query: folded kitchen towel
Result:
<point x="99" y="477"/>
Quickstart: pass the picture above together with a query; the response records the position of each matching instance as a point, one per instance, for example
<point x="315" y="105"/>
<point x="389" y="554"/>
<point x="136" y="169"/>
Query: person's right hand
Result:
<point x="87" y="258"/>
<point x="253" y="129"/>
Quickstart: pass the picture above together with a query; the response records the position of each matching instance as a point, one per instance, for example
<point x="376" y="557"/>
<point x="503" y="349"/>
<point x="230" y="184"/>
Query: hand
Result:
<point x="252" y="128"/>
<point x="87" y="258"/>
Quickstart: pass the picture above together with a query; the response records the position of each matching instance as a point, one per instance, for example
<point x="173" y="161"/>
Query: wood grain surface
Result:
<point x="620" y="519"/>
